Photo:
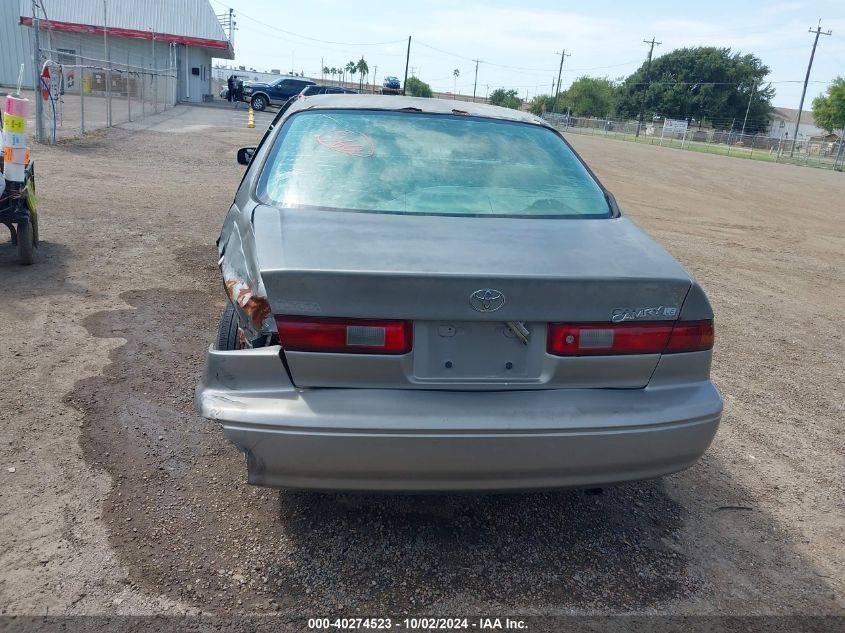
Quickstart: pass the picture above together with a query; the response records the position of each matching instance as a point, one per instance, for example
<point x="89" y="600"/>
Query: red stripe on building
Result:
<point x="72" y="27"/>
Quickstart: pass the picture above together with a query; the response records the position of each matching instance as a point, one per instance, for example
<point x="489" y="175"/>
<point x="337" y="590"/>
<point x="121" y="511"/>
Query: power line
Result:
<point x="440" y="50"/>
<point x="306" y="37"/>
<point x="521" y="68"/>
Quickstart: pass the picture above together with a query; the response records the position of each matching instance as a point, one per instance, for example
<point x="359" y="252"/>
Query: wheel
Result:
<point x="259" y="103"/>
<point x="228" y="337"/>
<point x="26" y="243"/>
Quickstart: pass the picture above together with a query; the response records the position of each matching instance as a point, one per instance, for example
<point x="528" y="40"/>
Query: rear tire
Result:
<point x="26" y="243"/>
<point x="259" y="103"/>
<point x="228" y="336"/>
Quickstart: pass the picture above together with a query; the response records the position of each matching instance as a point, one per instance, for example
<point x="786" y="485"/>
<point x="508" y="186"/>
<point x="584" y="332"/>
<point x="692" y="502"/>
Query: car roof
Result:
<point x="413" y="104"/>
<point x="308" y="81"/>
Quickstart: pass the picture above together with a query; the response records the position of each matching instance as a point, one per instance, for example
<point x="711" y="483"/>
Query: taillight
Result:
<point x="350" y="336"/>
<point x="691" y="336"/>
<point x="660" y="337"/>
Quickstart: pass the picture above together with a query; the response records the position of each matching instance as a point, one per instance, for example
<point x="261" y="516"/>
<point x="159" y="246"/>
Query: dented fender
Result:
<point x="238" y="262"/>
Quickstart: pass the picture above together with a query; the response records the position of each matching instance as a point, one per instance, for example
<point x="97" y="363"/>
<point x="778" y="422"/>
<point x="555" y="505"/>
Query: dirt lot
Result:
<point x="122" y="500"/>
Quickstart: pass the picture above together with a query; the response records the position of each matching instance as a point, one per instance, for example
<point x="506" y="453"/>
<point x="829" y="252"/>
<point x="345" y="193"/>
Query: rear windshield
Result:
<point x="399" y="162"/>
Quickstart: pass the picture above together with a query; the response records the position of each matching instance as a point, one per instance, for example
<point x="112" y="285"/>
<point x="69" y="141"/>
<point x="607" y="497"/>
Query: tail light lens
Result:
<point x="349" y="336"/>
<point x="691" y="336"/>
<point x="593" y="339"/>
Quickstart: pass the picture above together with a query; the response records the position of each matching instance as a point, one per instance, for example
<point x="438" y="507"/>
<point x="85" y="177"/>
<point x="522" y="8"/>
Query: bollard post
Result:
<point x="250" y="118"/>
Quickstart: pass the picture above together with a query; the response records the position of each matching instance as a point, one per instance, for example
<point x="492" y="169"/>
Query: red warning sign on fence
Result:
<point x="45" y="83"/>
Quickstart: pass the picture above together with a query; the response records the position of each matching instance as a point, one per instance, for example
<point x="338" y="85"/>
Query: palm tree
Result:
<point x="457" y="73"/>
<point x="350" y="68"/>
<point x="363" y="69"/>
<point x="326" y="70"/>
<point x="335" y="71"/>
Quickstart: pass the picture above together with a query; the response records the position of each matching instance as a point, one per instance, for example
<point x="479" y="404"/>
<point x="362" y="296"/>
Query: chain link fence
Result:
<point x="85" y="93"/>
<point x="822" y="153"/>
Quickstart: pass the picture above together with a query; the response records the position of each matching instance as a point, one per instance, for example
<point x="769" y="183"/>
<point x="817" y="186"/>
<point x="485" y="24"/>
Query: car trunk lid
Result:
<point x="468" y="286"/>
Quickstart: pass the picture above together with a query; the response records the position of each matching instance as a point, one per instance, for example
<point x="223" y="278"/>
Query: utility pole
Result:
<point x="563" y="55"/>
<point x="818" y="31"/>
<point x="407" y="59"/>
<point x="36" y="70"/>
<point x="475" y="83"/>
<point x="647" y="79"/>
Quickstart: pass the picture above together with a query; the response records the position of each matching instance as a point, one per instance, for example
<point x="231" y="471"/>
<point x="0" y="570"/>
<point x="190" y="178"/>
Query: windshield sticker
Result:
<point x="348" y="142"/>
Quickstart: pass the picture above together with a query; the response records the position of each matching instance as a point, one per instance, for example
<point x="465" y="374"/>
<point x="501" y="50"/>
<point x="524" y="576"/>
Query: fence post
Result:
<point x="128" y="90"/>
<point x="81" y="91"/>
<point x="839" y="154"/>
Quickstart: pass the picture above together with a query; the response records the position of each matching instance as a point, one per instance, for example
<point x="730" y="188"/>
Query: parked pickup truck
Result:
<point x="278" y="92"/>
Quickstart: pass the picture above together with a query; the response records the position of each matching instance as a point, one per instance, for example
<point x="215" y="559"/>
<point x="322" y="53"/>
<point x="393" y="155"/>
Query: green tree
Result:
<point x="350" y="68"/>
<point x="540" y="104"/>
<point x="417" y="88"/>
<point x="702" y="83"/>
<point x="363" y="69"/>
<point x="326" y="70"/>
<point x="590" y="96"/>
<point x="456" y="73"/>
<point x="505" y="98"/>
<point x="829" y="108"/>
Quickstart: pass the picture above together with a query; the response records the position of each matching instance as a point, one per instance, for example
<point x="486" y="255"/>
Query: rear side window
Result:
<point x="311" y="90"/>
<point x="412" y="163"/>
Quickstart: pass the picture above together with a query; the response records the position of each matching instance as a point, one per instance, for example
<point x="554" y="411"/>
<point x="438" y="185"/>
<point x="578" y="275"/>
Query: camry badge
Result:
<point x="486" y="300"/>
<point x="643" y="314"/>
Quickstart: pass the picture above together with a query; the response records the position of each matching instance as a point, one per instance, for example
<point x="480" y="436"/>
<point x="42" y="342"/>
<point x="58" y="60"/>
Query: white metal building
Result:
<point x="181" y="35"/>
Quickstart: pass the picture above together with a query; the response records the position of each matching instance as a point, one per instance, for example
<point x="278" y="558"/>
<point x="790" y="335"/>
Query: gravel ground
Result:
<point x="123" y="501"/>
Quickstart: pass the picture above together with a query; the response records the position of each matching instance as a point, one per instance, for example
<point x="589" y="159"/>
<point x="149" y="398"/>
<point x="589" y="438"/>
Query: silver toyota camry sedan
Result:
<point x="433" y="295"/>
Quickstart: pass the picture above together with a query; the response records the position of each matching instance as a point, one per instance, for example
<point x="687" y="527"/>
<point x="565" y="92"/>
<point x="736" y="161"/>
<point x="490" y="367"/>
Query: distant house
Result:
<point x="782" y="124"/>
<point x="825" y="137"/>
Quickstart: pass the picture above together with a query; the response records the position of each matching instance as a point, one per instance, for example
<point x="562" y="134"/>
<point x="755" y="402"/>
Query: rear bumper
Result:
<point x="395" y="440"/>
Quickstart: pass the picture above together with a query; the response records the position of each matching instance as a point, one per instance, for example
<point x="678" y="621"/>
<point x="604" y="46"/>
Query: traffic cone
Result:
<point x="250" y="118"/>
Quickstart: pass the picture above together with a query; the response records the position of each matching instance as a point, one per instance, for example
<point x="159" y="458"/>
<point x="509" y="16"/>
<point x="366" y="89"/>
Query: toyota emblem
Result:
<point x="487" y="300"/>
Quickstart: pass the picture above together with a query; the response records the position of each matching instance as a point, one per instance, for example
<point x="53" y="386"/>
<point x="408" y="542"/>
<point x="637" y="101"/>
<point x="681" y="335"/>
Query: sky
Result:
<point x="518" y="42"/>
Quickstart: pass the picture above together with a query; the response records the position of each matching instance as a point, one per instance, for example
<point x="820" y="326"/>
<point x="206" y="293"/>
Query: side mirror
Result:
<point x="245" y="155"/>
